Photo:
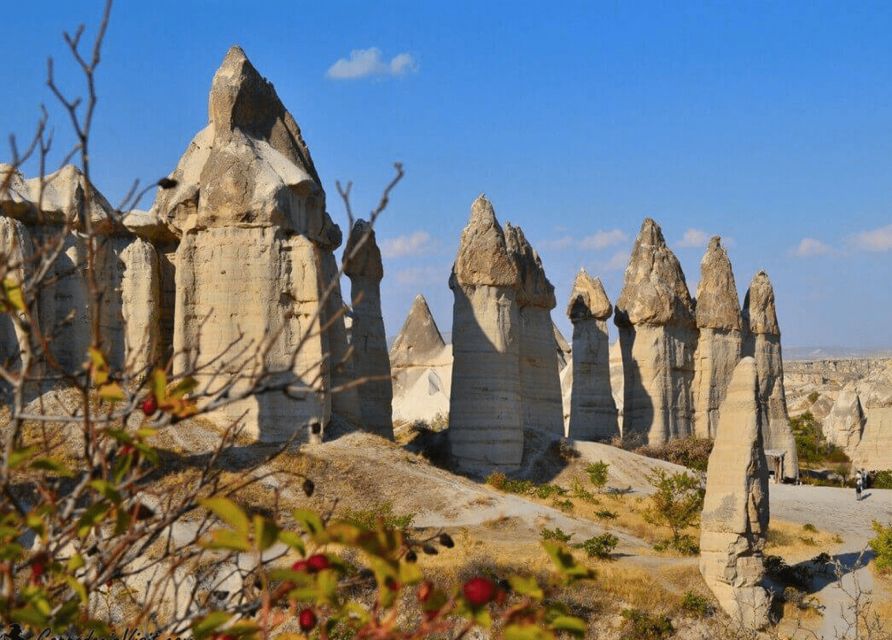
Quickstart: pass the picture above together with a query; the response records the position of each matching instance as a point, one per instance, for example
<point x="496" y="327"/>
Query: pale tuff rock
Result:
<point x="658" y="336"/>
<point x="565" y="371"/>
<point x="762" y="341"/>
<point x="16" y="252"/>
<point x="617" y="379"/>
<point x="874" y="451"/>
<point x="720" y="341"/>
<point x="845" y="423"/>
<point x="252" y="263"/>
<point x="362" y="259"/>
<point x="563" y="348"/>
<point x="592" y="410"/>
<point x="734" y="524"/>
<point x="345" y="395"/>
<point x="66" y="196"/>
<point x="485" y="408"/>
<point x="539" y="370"/>
<point x="421" y="363"/>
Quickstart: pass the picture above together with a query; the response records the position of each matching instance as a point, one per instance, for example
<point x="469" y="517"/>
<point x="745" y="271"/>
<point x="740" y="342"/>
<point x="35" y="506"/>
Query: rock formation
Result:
<point x="16" y="253"/>
<point x="539" y="369"/>
<point x="485" y="407"/>
<point x="844" y="425"/>
<point x="874" y="451"/>
<point x="592" y="410"/>
<point x="249" y="209"/>
<point x="762" y="342"/>
<point x="657" y="333"/>
<point x="720" y="340"/>
<point x="421" y="363"/>
<point x="362" y="260"/>
<point x="53" y="213"/>
<point x="734" y="525"/>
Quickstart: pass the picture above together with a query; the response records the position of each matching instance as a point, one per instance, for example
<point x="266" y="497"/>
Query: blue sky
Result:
<point x="767" y="123"/>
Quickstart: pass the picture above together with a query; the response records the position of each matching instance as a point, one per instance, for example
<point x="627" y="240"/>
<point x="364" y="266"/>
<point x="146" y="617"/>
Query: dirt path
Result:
<point x="837" y="511"/>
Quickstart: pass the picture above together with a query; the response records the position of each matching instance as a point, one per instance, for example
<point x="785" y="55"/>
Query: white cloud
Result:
<point x="422" y="275"/>
<point x="873" y="240"/>
<point x="561" y="243"/>
<point x="694" y="238"/>
<point x="810" y="247"/>
<point x="413" y="244"/>
<point x="364" y="63"/>
<point x="617" y="262"/>
<point x="603" y="239"/>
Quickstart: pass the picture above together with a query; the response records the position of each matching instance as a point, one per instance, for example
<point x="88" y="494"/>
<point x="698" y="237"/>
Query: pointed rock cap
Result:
<point x="717" y="304"/>
<point x="654" y="292"/>
<point x="66" y="195"/>
<point x="250" y="167"/>
<point x="367" y="261"/>
<point x="588" y="299"/>
<point x="419" y="342"/>
<point x="759" y="312"/>
<point x="536" y="290"/>
<point x="483" y="258"/>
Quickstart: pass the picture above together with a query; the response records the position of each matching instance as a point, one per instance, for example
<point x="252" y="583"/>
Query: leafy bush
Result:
<point x="675" y="504"/>
<point x="813" y="397"/>
<point x="599" y="546"/>
<point x="383" y="512"/>
<point x="605" y="514"/>
<point x="565" y="505"/>
<point x="808" y="526"/>
<point x="881" y="544"/>
<point x="581" y="493"/>
<point x="811" y="445"/>
<point x="597" y="473"/>
<point x="688" y="452"/>
<point x="556" y="534"/>
<point x="697" y="605"/>
<point x="500" y="481"/>
<point x="640" y="625"/>
<point x="881" y="479"/>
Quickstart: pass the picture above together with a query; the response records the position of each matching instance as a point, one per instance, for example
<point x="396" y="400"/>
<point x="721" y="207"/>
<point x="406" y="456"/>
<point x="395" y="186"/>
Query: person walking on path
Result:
<point x="859" y="485"/>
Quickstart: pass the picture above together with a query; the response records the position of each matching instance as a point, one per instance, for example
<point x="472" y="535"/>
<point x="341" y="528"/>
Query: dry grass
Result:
<point x="794" y="543"/>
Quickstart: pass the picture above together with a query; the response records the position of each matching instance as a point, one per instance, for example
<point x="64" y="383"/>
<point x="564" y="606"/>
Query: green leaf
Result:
<point x="526" y="587"/>
<point x="210" y="623"/>
<point x="293" y="540"/>
<point x="35" y="523"/>
<point x="106" y="490"/>
<point x="78" y="589"/>
<point x="15" y="300"/>
<point x="92" y="516"/>
<point x="98" y="366"/>
<point x="265" y="533"/>
<point x="229" y="513"/>
<point x="19" y="456"/>
<point x="184" y="386"/>
<point x="53" y="465"/>
<point x="30" y="615"/>
<point x="571" y="624"/>
<point x="112" y="392"/>
<point x="527" y="632"/>
<point x="309" y="521"/>
<point x="327" y="587"/>
<point x="75" y="562"/>
<point x="227" y="539"/>
<point x="410" y="573"/>
<point x="565" y="562"/>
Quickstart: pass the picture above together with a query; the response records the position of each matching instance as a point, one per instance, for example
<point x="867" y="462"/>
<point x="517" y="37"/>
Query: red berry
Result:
<point x="307" y="620"/>
<point x="479" y="591"/>
<point x="222" y="636"/>
<point x="127" y="449"/>
<point x="149" y="405"/>
<point x="37" y="571"/>
<point x="300" y="565"/>
<point x="425" y="589"/>
<point x="318" y="562"/>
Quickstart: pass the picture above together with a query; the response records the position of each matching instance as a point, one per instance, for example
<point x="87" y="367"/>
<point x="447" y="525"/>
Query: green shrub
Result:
<point x="813" y="397"/>
<point x="599" y="546"/>
<point x="597" y="473"/>
<point x="605" y="514"/>
<point x="548" y="490"/>
<point x="676" y="503"/>
<point x="808" y="526"/>
<point x="640" y="625"/>
<point x="688" y="452"/>
<point x="811" y="446"/>
<point x="697" y="605"/>
<point x="882" y="479"/>
<point x="368" y="518"/>
<point x="881" y="544"/>
<point x="581" y="493"/>
<point x="500" y="481"/>
<point x="555" y="534"/>
<point x="565" y="505"/>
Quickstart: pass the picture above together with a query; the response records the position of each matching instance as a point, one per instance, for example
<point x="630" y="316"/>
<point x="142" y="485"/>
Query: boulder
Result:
<point x="362" y="264"/>
<point x="734" y="524"/>
<point x="762" y="342"/>
<point x="485" y="407"/>
<point x="592" y="409"/>
<point x="845" y="423"/>
<point x="658" y="336"/>
<point x="720" y="339"/>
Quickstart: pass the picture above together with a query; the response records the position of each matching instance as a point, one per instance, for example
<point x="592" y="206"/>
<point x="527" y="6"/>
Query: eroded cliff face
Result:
<point x="485" y="408"/>
<point x="658" y="336"/>
<point x="734" y="524"/>
<point x="762" y="342"/>
<point x="593" y="414"/>
<point x="720" y="338"/>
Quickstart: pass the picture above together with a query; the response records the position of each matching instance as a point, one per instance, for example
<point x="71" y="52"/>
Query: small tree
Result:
<point x="882" y="546"/>
<point x="675" y="504"/>
<point x="597" y="473"/>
